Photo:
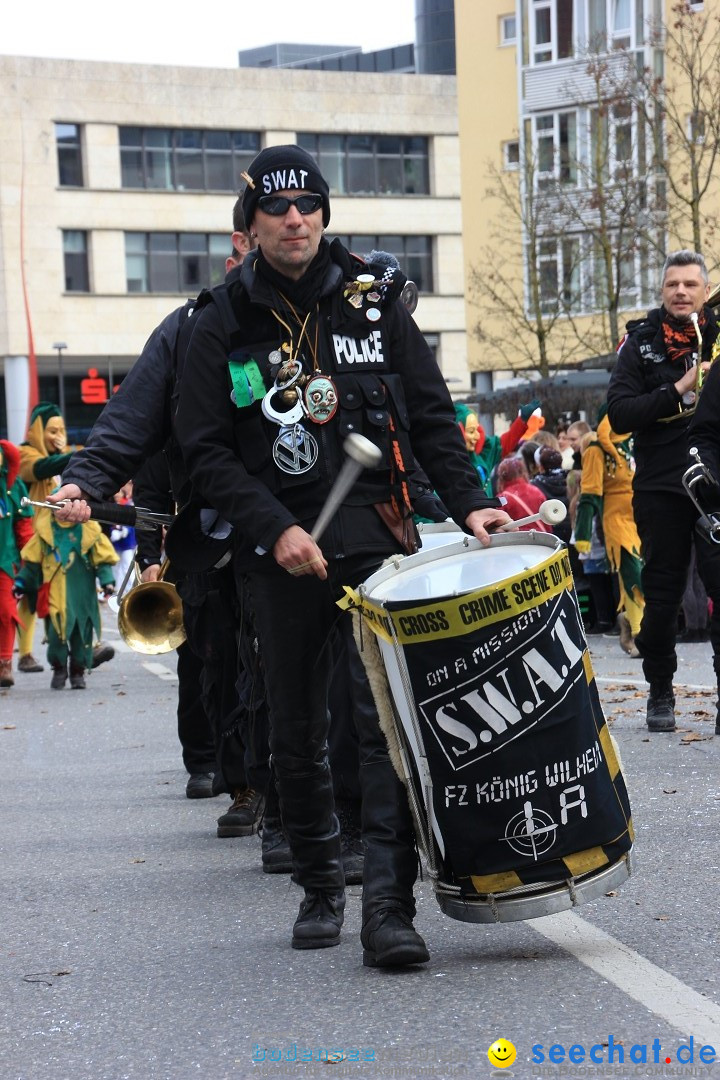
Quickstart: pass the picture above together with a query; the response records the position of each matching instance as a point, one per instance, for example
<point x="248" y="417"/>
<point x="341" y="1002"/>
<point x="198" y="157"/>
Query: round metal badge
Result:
<point x="373" y="314"/>
<point x="295" y="450"/>
<point x="321" y="399"/>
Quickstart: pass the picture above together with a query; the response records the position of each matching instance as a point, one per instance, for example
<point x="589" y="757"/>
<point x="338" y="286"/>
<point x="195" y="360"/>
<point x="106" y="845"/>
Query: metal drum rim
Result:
<point x="558" y="897"/>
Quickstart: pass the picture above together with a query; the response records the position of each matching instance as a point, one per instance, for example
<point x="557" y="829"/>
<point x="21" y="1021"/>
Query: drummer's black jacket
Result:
<point x="642" y="399"/>
<point x="389" y="389"/>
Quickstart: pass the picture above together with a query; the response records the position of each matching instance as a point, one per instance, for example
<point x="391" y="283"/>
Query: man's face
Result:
<point x="55" y="436"/>
<point x="684" y="291"/>
<point x="573" y="438"/>
<point x="289" y="242"/>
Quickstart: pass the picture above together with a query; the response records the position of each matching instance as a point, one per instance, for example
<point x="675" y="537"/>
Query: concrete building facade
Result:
<point x="116" y="190"/>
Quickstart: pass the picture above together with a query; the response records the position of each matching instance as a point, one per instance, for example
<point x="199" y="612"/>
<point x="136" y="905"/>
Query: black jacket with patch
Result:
<point x="389" y="389"/>
<point x="642" y="400"/>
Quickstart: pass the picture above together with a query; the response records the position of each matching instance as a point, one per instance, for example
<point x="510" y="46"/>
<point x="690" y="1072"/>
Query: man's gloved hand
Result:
<point x="526" y="411"/>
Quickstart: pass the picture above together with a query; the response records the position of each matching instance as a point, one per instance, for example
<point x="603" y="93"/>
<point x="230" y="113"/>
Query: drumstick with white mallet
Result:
<point x="361" y="454"/>
<point x="552" y="512"/>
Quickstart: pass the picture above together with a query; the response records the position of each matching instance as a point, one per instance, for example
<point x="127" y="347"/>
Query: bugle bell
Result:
<point x="150" y="616"/>
<point x="704" y="491"/>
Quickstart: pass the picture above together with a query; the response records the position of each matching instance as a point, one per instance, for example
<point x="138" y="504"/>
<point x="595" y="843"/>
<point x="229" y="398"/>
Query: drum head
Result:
<point x="439" y="533"/>
<point x="457" y="568"/>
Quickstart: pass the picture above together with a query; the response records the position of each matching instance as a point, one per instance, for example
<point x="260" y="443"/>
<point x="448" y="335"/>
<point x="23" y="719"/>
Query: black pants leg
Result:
<point x="666" y="524"/>
<point x="194" y="729"/>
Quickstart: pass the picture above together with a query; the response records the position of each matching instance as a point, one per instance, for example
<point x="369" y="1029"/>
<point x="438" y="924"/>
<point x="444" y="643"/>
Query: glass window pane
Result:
<point x="389" y="144"/>
<point x="189" y="170"/>
<point x="158" y="137"/>
<point x="219" y="171"/>
<point x="217" y="140"/>
<point x="158" y="169"/>
<point x="361" y="175"/>
<point x="136" y="273"/>
<point x="564" y="28"/>
<point x="542" y="27"/>
<point x="131" y="136"/>
<point x="131" y="168"/>
<point x="389" y="176"/>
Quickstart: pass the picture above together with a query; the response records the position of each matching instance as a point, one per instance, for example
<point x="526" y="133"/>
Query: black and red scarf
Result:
<point x="680" y="338"/>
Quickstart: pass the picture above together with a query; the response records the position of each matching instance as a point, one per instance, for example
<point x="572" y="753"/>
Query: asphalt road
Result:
<point x="136" y="944"/>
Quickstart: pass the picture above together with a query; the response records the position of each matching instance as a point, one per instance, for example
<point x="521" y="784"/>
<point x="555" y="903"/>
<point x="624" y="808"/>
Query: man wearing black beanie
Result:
<point x="324" y="347"/>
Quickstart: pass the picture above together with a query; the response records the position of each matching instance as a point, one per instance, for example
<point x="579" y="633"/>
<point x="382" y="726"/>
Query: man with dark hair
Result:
<point x="324" y="348"/>
<point x="653" y="393"/>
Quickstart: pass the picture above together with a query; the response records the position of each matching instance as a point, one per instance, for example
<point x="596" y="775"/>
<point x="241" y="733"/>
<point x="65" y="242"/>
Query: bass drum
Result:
<point x="486" y="693"/>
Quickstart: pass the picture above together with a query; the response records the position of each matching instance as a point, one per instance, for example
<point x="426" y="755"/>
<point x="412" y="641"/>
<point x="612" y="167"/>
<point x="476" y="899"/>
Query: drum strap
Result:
<point x="400" y="495"/>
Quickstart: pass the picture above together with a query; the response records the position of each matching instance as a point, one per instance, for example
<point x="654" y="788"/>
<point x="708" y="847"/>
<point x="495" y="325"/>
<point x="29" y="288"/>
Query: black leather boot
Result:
<point x="661" y="707"/>
<point x="387" y="934"/>
<point x="308" y="814"/>
<point x="319" y="920"/>
<point x="276" y="854"/>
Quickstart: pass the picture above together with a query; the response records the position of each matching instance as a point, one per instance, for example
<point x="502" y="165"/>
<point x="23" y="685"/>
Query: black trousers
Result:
<point x="666" y="525"/>
<point x="228" y="684"/>
<point x="295" y="617"/>
<point x="194" y="728"/>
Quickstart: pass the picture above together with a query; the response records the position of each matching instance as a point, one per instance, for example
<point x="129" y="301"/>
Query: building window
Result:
<point x="69" y="153"/>
<point x="696" y="128"/>
<point x="371" y="164"/>
<point x="508" y="30"/>
<point x="511" y="154"/>
<point x="75" y="257"/>
<point x="174" y="262"/>
<point x="551" y="30"/>
<point x="185" y="159"/>
<point x="414" y="253"/>
<point x="555" y="148"/>
<point x="610" y="23"/>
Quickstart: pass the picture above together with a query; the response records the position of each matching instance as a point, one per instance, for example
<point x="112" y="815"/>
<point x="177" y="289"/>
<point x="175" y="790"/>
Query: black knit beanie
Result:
<point x="282" y="168"/>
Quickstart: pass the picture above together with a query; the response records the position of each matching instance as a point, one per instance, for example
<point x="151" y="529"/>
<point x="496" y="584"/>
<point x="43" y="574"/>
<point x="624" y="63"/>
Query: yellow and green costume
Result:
<point x="60" y="566"/>
<point x="606" y="490"/>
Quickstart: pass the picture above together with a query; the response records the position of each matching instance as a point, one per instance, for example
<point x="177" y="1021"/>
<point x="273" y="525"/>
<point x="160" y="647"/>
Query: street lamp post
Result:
<point x="60" y="345"/>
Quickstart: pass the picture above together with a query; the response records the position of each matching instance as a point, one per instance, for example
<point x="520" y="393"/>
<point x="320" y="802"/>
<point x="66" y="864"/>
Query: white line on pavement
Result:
<point x="160" y="670"/>
<point x="660" y="992"/>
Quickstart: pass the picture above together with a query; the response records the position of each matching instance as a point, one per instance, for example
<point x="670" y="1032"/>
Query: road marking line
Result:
<point x="620" y="679"/>
<point x="660" y="992"/>
<point x="160" y="670"/>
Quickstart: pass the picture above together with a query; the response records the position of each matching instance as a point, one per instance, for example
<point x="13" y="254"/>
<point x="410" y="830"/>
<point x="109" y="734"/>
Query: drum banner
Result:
<point x="527" y="786"/>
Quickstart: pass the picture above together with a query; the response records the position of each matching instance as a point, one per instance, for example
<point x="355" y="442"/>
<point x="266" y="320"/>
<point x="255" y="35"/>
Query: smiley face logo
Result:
<point x="501" y="1054"/>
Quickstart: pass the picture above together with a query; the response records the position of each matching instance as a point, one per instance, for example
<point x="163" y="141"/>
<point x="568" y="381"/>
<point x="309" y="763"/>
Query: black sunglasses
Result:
<point x="277" y="205"/>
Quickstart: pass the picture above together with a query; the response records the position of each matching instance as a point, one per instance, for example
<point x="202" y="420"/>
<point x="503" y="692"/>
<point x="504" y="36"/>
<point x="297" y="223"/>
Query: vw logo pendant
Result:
<point x="295" y="450"/>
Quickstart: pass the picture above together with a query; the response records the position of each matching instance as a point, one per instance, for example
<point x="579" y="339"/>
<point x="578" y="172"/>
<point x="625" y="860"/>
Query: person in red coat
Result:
<point x="521" y="497"/>
<point x="15" y="531"/>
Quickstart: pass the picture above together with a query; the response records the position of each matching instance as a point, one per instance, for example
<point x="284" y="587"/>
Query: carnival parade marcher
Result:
<point x="652" y="393"/>
<point x="487" y="451"/>
<point x="324" y="348"/>
<point x="15" y="531"/>
<point x="60" y="566"/>
<point x="43" y="456"/>
<point x="606" y="491"/>
<point x="136" y="425"/>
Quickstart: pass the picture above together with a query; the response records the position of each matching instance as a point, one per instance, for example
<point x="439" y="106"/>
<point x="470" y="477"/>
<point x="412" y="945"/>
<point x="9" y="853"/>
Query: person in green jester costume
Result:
<point x="487" y="451"/>
<point x="60" y="566"/>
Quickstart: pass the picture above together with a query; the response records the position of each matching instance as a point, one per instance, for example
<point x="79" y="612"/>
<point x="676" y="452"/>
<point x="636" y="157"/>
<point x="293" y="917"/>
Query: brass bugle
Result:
<point x="704" y="491"/>
<point x="150" y="616"/>
<point x="113" y="513"/>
